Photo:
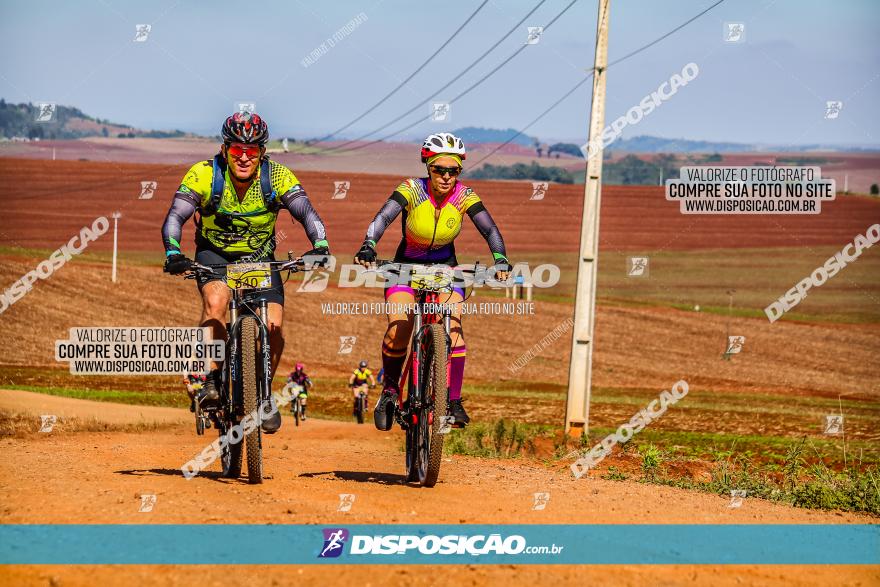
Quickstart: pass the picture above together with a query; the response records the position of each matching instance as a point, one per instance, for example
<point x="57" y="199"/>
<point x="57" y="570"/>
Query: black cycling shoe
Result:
<point x="271" y="424"/>
<point x="383" y="413"/>
<point x="208" y="396"/>
<point x="456" y="410"/>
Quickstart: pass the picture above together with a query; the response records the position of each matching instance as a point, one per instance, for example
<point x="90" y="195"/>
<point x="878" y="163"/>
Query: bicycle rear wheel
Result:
<point x="249" y="379"/>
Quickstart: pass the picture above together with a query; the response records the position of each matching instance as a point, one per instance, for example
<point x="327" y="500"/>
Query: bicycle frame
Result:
<point x="421" y="319"/>
<point x="241" y="305"/>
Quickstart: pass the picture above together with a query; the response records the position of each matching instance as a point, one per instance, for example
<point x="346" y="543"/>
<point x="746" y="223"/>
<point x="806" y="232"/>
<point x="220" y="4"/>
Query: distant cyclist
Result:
<point x="236" y="198"/>
<point x="298" y="377"/>
<point x="433" y="208"/>
<point x="361" y="379"/>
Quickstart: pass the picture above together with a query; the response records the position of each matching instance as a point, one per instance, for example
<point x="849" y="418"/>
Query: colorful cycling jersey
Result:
<point x="429" y="228"/>
<point x="238" y="226"/>
<point x="300" y="378"/>
<point x="362" y="376"/>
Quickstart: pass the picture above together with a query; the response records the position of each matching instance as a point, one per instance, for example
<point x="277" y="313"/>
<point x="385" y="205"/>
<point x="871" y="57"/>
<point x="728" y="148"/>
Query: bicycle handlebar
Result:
<point x="293" y="265"/>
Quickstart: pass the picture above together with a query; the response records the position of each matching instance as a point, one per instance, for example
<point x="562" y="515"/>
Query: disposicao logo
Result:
<point x="334" y="541"/>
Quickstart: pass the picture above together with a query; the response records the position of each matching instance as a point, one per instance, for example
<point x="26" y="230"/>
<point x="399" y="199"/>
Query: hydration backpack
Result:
<point x="270" y="197"/>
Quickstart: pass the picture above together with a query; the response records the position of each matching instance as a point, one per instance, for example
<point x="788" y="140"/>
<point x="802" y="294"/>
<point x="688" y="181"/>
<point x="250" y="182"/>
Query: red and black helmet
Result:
<point x="244" y="127"/>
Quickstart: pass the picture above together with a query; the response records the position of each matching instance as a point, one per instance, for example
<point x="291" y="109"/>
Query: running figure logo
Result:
<point x="46" y="112"/>
<point x="541" y="501"/>
<point x="340" y="189"/>
<point x="346" y="344"/>
<point x="141" y="32"/>
<point x="832" y="109"/>
<point x="47" y="422"/>
<point x="734" y="32"/>
<point x="148" y="188"/>
<point x="535" y="33"/>
<point x="833" y="424"/>
<point x="346" y="500"/>
<point x="316" y="279"/>
<point x="539" y="190"/>
<point x="736" y="498"/>
<point x="334" y="541"/>
<point x="637" y="266"/>
<point x="440" y="112"/>
<point x="735" y="345"/>
<point x="148" y="500"/>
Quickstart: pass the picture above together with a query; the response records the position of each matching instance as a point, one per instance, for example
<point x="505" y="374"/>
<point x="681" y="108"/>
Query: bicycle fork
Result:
<point x="266" y="356"/>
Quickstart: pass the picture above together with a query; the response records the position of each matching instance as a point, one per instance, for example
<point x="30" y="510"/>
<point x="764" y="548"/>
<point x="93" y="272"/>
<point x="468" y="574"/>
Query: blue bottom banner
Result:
<point x="563" y="544"/>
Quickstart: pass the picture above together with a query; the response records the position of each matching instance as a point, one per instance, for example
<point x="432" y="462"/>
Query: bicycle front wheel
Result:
<point x="249" y="379"/>
<point x="432" y="394"/>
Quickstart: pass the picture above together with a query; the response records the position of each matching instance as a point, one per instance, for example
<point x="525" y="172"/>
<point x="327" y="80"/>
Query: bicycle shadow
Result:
<point x="212" y="475"/>
<point x="361" y="477"/>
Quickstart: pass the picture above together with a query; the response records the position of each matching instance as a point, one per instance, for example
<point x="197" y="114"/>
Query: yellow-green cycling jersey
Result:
<point x="361" y="377"/>
<point x="231" y="225"/>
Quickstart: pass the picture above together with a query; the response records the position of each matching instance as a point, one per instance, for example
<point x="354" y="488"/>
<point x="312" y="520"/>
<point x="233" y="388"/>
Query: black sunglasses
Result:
<point x="441" y="171"/>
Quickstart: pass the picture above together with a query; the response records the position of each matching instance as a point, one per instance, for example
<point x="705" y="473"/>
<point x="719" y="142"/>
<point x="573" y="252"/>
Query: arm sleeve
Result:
<point x="389" y="211"/>
<point x="183" y="206"/>
<point x="297" y="203"/>
<point x="484" y="223"/>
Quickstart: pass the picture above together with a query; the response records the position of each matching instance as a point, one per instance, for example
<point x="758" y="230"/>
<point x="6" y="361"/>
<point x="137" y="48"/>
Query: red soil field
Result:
<point x="47" y="202"/>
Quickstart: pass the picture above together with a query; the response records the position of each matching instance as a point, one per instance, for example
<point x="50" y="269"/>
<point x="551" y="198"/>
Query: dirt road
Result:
<point x="98" y="478"/>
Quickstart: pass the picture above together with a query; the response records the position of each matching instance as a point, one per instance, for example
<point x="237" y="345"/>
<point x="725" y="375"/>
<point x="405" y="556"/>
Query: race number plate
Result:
<point x="431" y="278"/>
<point x="249" y="275"/>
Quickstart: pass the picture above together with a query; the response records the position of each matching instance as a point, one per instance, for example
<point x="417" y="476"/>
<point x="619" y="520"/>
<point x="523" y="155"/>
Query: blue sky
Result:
<point x="200" y="58"/>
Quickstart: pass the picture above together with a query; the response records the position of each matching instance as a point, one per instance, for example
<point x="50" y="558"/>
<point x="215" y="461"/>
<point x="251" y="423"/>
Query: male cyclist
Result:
<point x="359" y="380"/>
<point x="236" y="199"/>
<point x="433" y="208"/>
<point x="298" y="377"/>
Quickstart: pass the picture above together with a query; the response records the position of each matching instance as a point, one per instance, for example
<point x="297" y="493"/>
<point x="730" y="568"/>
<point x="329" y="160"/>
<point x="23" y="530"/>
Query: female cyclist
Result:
<point x="433" y="208"/>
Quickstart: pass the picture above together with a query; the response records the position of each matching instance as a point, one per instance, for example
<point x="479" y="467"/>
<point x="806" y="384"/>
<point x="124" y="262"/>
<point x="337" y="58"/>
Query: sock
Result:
<point x="456" y="371"/>
<point x="392" y="362"/>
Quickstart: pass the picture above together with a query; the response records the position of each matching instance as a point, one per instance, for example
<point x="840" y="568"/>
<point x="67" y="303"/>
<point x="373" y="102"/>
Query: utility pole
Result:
<point x="115" y="216"/>
<point x="577" y="406"/>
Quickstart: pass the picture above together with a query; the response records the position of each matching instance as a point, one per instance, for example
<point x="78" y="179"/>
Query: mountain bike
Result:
<point x="246" y="379"/>
<point x="424" y="414"/>
<point x="297" y="392"/>
<point x="360" y="403"/>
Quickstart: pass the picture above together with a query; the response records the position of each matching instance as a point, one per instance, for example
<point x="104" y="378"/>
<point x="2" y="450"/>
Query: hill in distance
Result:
<point x="36" y="121"/>
<point x="475" y="134"/>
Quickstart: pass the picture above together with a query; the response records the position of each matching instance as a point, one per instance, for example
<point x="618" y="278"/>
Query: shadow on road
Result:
<point x="362" y="477"/>
<point x="214" y="475"/>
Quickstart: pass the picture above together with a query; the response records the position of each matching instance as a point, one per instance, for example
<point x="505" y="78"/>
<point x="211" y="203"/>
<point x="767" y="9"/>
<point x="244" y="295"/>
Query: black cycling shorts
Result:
<point x="209" y="257"/>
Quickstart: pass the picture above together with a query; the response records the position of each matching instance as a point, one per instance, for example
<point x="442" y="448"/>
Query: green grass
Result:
<point x="111" y="395"/>
<point x="685" y="279"/>
<point x="503" y="439"/>
<point x="815" y="486"/>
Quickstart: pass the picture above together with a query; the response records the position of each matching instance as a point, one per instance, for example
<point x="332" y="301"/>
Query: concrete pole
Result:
<point x="577" y="407"/>
<point x="115" y="217"/>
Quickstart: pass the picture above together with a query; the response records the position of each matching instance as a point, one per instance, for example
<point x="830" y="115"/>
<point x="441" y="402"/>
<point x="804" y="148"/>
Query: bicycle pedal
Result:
<point x="447" y="423"/>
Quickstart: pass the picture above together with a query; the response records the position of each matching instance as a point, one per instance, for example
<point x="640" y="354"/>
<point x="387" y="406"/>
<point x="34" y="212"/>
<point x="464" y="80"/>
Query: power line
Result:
<point x="580" y="83"/>
<point x="529" y="125"/>
<point x="460" y="95"/>
<point x="404" y="82"/>
<point x="449" y="83"/>
<point x="658" y="39"/>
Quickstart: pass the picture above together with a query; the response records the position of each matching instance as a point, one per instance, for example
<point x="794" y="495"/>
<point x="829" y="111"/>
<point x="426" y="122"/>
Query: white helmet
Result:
<point x="443" y="143"/>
